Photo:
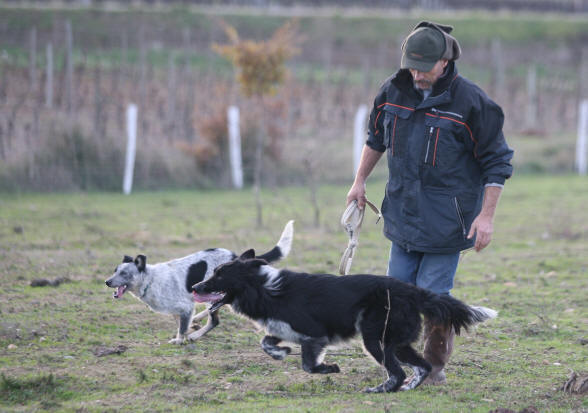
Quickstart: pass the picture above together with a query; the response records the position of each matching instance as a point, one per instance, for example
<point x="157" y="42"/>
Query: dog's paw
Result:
<point x="326" y="369"/>
<point x="276" y="352"/>
<point x="390" y="385"/>
<point x="411" y="383"/>
<point x="280" y="353"/>
<point x="334" y="368"/>
<point x="177" y="341"/>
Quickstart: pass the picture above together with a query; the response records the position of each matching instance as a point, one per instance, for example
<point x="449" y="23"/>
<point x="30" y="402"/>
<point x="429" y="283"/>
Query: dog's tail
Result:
<point x="444" y="309"/>
<point x="282" y="249"/>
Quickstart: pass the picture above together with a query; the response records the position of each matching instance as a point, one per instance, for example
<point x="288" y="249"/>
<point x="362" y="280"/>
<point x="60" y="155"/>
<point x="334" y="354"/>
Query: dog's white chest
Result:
<point x="282" y="330"/>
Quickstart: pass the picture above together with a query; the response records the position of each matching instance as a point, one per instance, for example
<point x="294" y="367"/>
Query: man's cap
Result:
<point x="426" y="44"/>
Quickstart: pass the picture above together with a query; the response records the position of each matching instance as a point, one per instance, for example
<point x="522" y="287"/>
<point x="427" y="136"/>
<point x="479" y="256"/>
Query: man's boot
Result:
<point x="438" y="347"/>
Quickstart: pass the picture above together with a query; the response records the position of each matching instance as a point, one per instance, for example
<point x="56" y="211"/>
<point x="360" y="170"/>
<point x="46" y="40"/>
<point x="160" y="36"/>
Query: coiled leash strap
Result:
<point x="351" y="221"/>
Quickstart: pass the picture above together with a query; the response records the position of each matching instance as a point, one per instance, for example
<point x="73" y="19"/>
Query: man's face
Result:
<point x="426" y="80"/>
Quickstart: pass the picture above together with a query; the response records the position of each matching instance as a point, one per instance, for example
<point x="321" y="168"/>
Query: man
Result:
<point x="447" y="161"/>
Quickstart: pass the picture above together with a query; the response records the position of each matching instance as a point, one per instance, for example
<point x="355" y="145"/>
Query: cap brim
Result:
<point x="420" y="65"/>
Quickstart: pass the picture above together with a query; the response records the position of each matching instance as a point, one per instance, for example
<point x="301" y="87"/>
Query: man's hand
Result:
<point x="483" y="225"/>
<point x="357" y="192"/>
<point x="482" y="228"/>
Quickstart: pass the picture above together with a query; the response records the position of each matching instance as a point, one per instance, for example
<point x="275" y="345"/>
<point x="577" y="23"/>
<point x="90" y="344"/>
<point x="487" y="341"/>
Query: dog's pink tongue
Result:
<point x="120" y="291"/>
<point x="205" y="298"/>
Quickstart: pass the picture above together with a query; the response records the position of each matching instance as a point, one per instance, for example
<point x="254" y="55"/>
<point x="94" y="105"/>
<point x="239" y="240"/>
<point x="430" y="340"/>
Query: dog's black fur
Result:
<point x="316" y="310"/>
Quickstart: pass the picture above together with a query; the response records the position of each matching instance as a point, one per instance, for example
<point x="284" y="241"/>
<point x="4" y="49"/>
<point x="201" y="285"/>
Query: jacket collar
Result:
<point x="441" y="89"/>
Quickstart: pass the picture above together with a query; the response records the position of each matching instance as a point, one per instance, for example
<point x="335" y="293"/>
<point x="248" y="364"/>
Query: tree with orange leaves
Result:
<point x="261" y="69"/>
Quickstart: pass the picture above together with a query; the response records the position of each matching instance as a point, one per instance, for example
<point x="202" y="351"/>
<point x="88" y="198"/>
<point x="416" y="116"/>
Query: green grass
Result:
<point x="535" y="273"/>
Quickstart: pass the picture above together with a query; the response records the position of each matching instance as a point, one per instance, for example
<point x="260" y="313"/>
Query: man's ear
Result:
<point x="247" y="255"/>
<point x="141" y="262"/>
<point x="127" y="258"/>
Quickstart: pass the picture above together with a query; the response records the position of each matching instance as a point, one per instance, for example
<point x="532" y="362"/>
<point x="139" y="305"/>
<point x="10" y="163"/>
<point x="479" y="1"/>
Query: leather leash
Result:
<point x="351" y="221"/>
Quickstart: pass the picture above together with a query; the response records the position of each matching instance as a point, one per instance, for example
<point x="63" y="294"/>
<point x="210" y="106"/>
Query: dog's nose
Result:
<point x="107" y="282"/>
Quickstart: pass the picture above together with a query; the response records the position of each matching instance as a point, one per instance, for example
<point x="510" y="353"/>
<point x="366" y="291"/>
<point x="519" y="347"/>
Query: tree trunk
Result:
<point x="258" y="164"/>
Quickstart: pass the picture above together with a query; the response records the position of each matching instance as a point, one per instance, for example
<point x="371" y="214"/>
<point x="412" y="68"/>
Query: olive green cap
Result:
<point x="427" y="44"/>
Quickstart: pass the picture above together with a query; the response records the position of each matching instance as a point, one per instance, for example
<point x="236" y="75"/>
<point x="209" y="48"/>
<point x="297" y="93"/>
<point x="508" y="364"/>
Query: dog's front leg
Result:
<point x="269" y="344"/>
<point x="312" y="351"/>
<point x="196" y="319"/>
<point x="182" y="329"/>
<point x="212" y="323"/>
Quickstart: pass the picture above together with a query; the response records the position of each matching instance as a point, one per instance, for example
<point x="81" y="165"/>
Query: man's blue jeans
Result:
<point x="434" y="272"/>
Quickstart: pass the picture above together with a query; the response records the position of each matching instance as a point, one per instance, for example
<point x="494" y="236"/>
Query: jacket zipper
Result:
<point x="429" y="139"/>
<point x="460" y="216"/>
<point x="392" y="134"/>
<point x="447" y="113"/>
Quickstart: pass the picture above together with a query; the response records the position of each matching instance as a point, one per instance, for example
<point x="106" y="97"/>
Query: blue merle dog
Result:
<point x="166" y="287"/>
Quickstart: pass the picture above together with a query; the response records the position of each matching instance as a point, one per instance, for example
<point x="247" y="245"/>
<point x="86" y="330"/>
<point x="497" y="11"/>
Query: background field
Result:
<point x="535" y="273"/>
<point x="534" y="65"/>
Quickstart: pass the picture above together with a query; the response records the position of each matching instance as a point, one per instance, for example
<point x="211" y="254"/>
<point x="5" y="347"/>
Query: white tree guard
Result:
<point x="235" y="147"/>
<point x="581" y="143"/>
<point x="131" y="148"/>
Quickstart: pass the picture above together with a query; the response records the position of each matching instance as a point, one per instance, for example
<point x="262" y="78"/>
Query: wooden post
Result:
<point x="33" y="62"/>
<point x="581" y="144"/>
<point x="142" y="89"/>
<point x="131" y="148"/>
<point x="499" y="71"/>
<point x="188" y="80"/>
<point x="170" y="121"/>
<point x="49" y="77"/>
<point x="69" y="68"/>
<point x="531" y="117"/>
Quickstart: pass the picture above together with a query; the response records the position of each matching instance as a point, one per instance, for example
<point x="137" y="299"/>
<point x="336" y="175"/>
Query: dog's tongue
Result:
<point x="206" y="298"/>
<point x="120" y="291"/>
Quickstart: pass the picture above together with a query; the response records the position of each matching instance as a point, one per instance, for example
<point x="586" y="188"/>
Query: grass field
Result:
<point x="535" y="273"/>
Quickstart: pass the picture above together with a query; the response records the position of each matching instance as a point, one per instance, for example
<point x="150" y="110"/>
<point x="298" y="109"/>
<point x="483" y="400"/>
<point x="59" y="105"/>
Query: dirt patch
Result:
<point x="106" y="351"/>
<point x="44" y="282"/>
<point x="525" y="410"/>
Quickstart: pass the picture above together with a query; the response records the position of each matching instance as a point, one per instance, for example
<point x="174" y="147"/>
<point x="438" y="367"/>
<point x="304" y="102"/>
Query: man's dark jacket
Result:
<point x="441" y="153"/>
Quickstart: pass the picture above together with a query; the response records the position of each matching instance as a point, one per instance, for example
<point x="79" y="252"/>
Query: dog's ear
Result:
<point x="258" y="262"/>
<point x="126" y="259"/>
<point x="141" y="262"/>
<point x="247" y="255"/>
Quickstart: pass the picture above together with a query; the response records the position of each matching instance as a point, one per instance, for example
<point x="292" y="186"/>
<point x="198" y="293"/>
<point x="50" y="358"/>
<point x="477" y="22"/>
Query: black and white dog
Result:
<point x="317" y="310"/>
<point x="166" y="287"/>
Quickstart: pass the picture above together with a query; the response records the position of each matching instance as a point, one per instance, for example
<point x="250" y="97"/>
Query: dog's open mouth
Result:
<point x="215" y="298"/>
<point x="119" y="291"/>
